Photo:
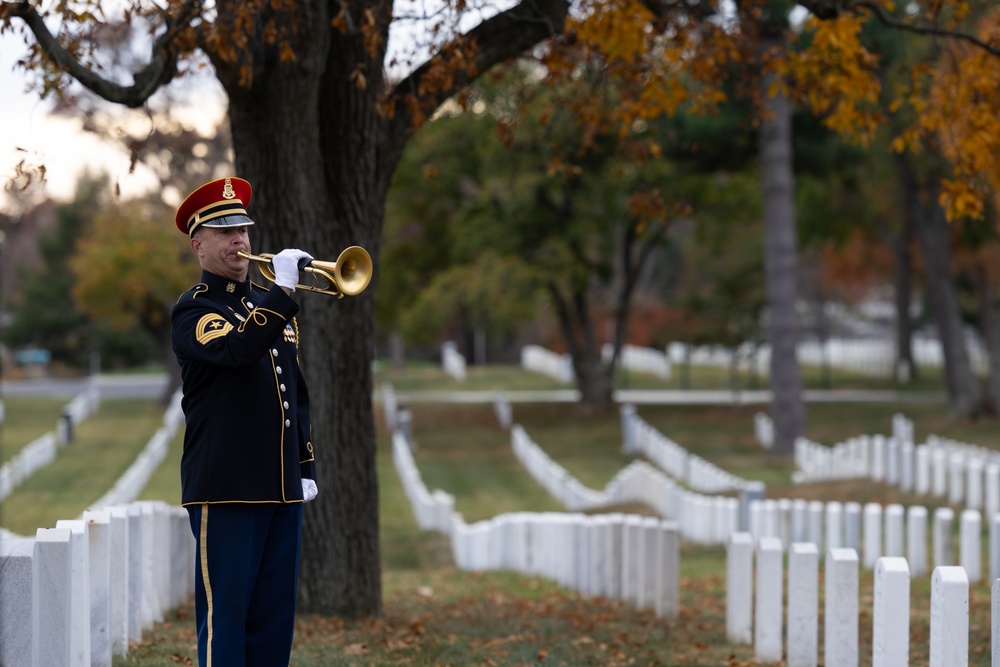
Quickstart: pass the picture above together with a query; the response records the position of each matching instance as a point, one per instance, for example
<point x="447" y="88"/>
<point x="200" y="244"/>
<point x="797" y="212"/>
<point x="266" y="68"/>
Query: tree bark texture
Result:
<point x="902" y="260"/>
<point x="594" y="378"/>
<point x="303" y="136"/>
<point x="990" y="318"/>
<point x="964" y="394"/>
<point x="319" y="138"/>
<point x="781" y="266"/>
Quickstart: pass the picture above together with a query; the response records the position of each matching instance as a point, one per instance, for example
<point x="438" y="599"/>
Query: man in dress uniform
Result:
<point x="248" y="464"/>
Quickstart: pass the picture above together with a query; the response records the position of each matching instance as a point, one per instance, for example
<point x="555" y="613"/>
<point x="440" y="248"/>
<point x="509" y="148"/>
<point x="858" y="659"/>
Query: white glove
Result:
<point x="309" y="489"/>
<point x="286" y="267"/>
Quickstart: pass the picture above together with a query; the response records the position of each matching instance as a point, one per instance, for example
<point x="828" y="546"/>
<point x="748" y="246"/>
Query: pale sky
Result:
<point x="30" y="133"/>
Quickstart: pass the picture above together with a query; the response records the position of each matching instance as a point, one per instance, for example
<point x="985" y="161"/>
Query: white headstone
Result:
<point x="768" y="644"/>
<point x="916" y="540"/>
<point x="118" y="591"/>
<point x="841" y="609"/>
<point x="816" y="524"/>
<point x="613" y="556"/>
<point x="892" y="466"/>
<point x="800" y="520"/>
<point x="99" y="534"/>
<point x="15" y="601"/>
<point x="994" y="546"/>
<point x="943" y="549"/>
<point x="80" y="591"/>
<point x="803" y="605"/>
<point x="135" y="569"/>
<point x="995" y="621"/>
<point x="939" y="471"/>
<point x="922" y="470"/>
<point x="970" y="544"/>
<point x="949" y="643"/>
<point x="502" y="409"/>
<point x="873" y="534"/>
<point x="739" y="588"/>
<point x="878" y="449"/>
<point x="992" y="484"/>
<point x="956" y="478"/>
<point x="667" y="579"/>
<point x="974" y="483"/>
<point x="891" y="617"/>
<point x="852" y="526"/>
<point x="834" y="525"/>
<point x="649" y="564"/>
<point x="894" y="531"/>
<point x="906" y="466"/>
<point x="52" y="625"/>
<point x="631" y="557"/>
<point x="630" y="443"/>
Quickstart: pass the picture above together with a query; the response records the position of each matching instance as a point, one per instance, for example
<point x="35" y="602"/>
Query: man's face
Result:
<point x="216" y="248"/>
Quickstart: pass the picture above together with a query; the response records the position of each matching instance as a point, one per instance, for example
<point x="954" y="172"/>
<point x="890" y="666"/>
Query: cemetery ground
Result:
<point x="435" y="614"/>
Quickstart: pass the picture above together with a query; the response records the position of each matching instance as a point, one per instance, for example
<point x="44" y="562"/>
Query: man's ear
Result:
<point x="196" y="245"/>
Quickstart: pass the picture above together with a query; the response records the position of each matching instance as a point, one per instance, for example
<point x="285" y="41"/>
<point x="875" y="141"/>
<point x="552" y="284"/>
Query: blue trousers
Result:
<point x="246" y="579"/>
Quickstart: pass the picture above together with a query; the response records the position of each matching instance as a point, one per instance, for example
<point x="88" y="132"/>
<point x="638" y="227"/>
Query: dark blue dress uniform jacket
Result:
<point x="246" y="405"/>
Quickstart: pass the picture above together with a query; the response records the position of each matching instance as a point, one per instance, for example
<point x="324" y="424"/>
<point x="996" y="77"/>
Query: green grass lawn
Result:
<point x="437" y="615"/>
<point x="104" y="446"/>
<point x="25" y="420"/>
<point x="429" y="376"/>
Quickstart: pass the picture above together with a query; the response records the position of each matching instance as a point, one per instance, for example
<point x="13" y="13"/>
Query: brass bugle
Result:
<point x="348" y="276"/>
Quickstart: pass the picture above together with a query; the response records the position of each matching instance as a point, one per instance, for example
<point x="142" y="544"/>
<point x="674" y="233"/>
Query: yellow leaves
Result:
<point x="339" y="22"/>
<point x="647" y="207"/>
<point x="357" y="76"/>
<point x="960" y="200"/>
<point x="430" y="171"/>
<point x="837" y="77"/>
<point x="131" y="265"/>
<point x="955" y="100"/>
<point x="457" y="58"/>
<point x="621" y="30"/>
<point x="370" y="32"/>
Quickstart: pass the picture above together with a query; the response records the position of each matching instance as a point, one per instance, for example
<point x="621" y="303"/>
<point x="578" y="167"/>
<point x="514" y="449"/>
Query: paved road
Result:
<point x="110" y="386"/>
<point x="153" y="386"/>
<point x="670" y="397"/>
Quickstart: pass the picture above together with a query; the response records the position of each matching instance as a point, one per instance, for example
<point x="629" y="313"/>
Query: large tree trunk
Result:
<point x="964" y="394"/>
<point x="902" y="255"/>
<point x="594" y="378"/>
<point x="781" y="266"/>
<point x="319" y="139"/>
<point x="990" y="317"/>
<point x="302" y="135"/>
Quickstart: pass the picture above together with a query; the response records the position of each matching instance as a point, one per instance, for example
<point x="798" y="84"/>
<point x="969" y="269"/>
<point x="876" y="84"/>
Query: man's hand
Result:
<point x="309" y="489"/>
<point x="286" y="267"/>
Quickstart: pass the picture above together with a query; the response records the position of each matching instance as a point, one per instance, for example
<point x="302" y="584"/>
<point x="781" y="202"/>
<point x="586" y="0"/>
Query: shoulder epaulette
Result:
<point x="193" y="292"/>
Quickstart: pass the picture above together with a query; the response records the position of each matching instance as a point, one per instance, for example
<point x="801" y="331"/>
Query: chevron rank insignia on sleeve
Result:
<point x="210" y="327"/>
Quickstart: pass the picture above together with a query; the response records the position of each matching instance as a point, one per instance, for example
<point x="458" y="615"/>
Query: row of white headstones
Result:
<point x="78" y="593"/>
<point x="588" y="553"/>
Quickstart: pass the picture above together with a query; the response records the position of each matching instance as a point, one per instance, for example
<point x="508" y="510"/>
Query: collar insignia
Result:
<point x="231" y="287"/>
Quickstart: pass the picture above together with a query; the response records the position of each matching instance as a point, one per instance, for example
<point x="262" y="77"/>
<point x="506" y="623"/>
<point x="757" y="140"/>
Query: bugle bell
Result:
<point x="348" y="276"/>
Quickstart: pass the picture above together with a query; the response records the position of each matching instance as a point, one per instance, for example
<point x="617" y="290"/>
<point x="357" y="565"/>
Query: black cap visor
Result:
<point x="238" y="220"/>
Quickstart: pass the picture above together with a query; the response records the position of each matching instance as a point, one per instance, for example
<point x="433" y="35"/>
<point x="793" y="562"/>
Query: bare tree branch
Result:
<point x="825" y="9"/>
<point x="162" y="63"/>
<point x="496" y="40"/>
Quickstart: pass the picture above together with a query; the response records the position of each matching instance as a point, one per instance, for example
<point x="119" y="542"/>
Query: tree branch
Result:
<point x="161" y="68"/>
<point x="496" y="40"/>
<point x="825" y="9"/>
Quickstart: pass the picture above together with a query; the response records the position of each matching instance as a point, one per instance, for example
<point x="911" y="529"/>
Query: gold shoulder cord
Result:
<point x="295" y="323"/>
